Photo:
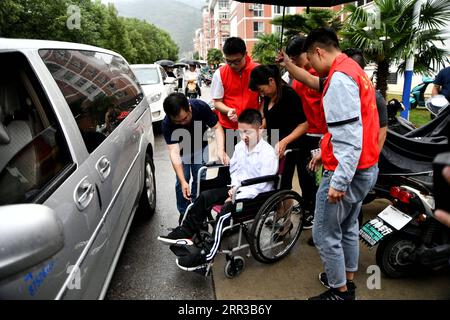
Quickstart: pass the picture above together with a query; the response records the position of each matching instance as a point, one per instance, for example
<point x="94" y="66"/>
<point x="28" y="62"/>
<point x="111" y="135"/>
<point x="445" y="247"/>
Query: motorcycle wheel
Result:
<point x="394" y="256"/>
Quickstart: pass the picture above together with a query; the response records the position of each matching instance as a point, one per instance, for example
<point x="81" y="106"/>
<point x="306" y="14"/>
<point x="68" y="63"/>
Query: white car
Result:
<point x="156" y="85"/>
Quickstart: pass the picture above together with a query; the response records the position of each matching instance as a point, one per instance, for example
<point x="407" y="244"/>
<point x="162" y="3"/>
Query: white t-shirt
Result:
<point x="217" y="90"/>
<point x="261" y="161"/>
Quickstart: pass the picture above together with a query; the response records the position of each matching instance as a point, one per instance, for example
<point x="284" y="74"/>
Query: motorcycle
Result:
<point x="418" y="93"/>
<point x="397" y="123"/>
<point x="192" y="89"/>
<point x="409" y="239"/>
<point x="207" y="78"/>
<point x="410" y="154"/>
<point x="436" y="105"/>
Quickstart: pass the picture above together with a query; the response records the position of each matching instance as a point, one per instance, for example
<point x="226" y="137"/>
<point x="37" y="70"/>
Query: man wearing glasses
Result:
<point x="229" y="87"/>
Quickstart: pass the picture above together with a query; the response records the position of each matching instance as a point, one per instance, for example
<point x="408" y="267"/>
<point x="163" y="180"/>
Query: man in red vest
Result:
<point x="349" y="152"/>
<point x="229" y="86"/>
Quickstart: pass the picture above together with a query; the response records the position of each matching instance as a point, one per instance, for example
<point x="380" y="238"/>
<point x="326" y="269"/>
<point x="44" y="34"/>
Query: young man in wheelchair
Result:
<point x="253" y="157"/>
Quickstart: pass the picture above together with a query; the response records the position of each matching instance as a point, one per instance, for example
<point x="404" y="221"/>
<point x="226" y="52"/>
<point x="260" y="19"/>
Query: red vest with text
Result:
<point x="369" y="115"/>
<point x="311" y="101"/>
<point x="237" y="94"/>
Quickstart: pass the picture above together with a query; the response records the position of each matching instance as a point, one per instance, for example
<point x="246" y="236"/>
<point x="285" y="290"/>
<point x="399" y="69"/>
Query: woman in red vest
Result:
<point x="349" y="152"/>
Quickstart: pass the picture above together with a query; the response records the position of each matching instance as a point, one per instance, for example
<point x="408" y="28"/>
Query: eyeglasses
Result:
<point x="235" y="62"/>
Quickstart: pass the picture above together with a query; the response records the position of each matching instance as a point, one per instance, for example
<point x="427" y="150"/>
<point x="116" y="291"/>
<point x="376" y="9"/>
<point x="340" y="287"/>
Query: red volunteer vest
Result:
<point x="311" y="100"/>
<point x="369" y="115"/>
<point x="237" y="94"/>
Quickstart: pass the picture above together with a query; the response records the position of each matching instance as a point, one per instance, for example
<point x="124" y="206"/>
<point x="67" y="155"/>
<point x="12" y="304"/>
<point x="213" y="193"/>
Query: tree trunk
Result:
<point x="382" y="75"/>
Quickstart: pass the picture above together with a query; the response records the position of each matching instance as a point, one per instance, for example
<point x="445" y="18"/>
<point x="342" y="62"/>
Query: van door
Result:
<point x="42" y="162"/>
<point x="102" y="97"/>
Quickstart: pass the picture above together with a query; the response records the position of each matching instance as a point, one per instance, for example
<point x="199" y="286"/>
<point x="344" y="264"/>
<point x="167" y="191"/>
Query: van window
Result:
<point x="33" y="151"/>
<point x="99" y="88"/>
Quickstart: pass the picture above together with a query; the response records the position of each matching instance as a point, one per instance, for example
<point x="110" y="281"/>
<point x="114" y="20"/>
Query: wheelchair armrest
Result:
<point x="214" y="164"/>
<point x="270" y="178"/>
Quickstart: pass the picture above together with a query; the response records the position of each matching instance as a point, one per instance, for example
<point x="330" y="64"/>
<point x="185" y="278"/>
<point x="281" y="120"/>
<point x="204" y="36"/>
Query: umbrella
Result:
<point x="165" y="63"/>
<point x="191" y="62"/>
<point x="297" y="3"/>
<point x="180" y="65"/>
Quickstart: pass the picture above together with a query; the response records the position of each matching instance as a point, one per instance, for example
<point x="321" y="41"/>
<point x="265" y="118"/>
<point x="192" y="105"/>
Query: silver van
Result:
<point x="76" y="162"/>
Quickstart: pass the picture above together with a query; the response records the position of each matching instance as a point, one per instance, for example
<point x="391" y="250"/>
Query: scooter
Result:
<point x="395" y="122"/>
<point x="436" y="105"/>
<point x="418" y="93"/>
<point x="192" y="89"/>
<point x="409" y="239"/>
<point x="410" y="154"/>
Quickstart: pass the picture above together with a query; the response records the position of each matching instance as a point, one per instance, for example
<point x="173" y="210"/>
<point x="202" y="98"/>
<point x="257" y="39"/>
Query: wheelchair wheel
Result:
<point x="277" y="226"/>
<point x="234" y="267"/>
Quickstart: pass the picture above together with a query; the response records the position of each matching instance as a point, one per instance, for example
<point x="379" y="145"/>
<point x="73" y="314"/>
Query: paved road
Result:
<point x="146" y="268"/>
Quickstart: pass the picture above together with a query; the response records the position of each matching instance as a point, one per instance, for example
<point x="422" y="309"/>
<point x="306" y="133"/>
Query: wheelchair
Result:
<point x="269" y="224"/>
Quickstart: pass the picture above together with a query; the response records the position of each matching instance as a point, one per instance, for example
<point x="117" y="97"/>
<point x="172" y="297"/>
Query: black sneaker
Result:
<point x="334" y="294"/>
<point x="178" y="236"/>
<point x="193" y="262"/>
<point x="308" y="223"/>
<point x="351" y="287"/>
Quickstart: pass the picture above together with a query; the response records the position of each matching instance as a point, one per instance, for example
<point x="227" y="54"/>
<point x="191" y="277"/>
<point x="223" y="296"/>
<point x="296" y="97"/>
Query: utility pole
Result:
<point x="409" y="70"/>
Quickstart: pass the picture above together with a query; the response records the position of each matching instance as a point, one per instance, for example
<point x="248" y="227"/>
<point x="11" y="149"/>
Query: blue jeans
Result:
<point x="188" y="169"/>
<point x="335" y="229"/>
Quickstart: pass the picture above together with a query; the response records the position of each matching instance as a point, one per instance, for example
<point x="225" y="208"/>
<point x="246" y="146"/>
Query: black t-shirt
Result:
<point x="202" y="117"/>
<point x="284" y="115"/>
<point x="381" y="107"/>
<point x="443" y="80"/>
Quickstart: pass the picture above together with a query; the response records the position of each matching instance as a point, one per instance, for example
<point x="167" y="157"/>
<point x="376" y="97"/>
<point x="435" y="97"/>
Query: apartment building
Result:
<point x="224" y="18"/>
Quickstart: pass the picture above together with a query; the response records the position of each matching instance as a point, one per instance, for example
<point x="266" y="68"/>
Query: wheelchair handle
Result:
<point x="291" y="150"/>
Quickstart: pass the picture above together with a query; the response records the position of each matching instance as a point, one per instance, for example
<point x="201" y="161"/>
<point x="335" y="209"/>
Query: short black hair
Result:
<point x="174" y="103"/>
<point x="357" y="55"/>
<point x="295" y="45"/>
<point x="324" y="38"/>
<point x="234" y="45"/>
<point x="260" y="76"/>
<point x="251" y="116"/>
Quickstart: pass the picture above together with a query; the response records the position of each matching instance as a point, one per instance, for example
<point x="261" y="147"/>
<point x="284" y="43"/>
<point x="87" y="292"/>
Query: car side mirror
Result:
<point x="29" y="235"/>
<point x="170" y="80"/>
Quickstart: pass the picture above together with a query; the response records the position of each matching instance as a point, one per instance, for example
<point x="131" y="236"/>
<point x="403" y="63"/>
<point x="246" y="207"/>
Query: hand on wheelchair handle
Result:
<point x="186" y="191"/>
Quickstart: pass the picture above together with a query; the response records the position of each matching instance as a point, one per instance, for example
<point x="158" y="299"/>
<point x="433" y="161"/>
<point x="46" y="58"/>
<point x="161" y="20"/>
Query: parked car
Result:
<point x="76" y="162"/>
<point x="157" y="86"/>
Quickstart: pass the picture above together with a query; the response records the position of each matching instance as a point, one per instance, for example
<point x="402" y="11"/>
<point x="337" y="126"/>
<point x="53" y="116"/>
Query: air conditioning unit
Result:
<point x="251" y="7"/>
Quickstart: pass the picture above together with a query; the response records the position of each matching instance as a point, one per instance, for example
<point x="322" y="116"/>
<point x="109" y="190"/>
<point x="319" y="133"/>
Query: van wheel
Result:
<point x="147" y="202"/>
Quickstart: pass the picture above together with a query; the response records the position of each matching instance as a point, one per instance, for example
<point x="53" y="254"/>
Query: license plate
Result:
<point x="390" y="219"/>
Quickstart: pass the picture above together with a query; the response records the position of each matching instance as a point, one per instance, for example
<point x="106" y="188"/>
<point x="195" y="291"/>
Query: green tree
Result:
<point x="391" y="38"/>
<point x="264" y="51"/>
<point x="305" y="22"/>
<point x="215" y="57"/>
<point x="100" y="25"/>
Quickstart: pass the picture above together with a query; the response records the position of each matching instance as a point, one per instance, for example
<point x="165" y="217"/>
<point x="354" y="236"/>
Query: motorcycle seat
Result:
<point x="425" y="181"/>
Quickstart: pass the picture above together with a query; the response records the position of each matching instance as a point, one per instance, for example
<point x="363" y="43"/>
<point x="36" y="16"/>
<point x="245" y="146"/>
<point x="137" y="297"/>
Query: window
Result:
<point x="147" y="75"/>
<point x="223" y="15"/>
<point x="34" y="153"/>
<point x="224" y="4"/>
<point x="257" y="10"/>
<point x="392" y="78"/>
<point x="97" y="115"/>
<point x="163" y="73"/>
<point x="277" y="29"/>
<point x="277" y="10"/>
<point x="258" y="29"/>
